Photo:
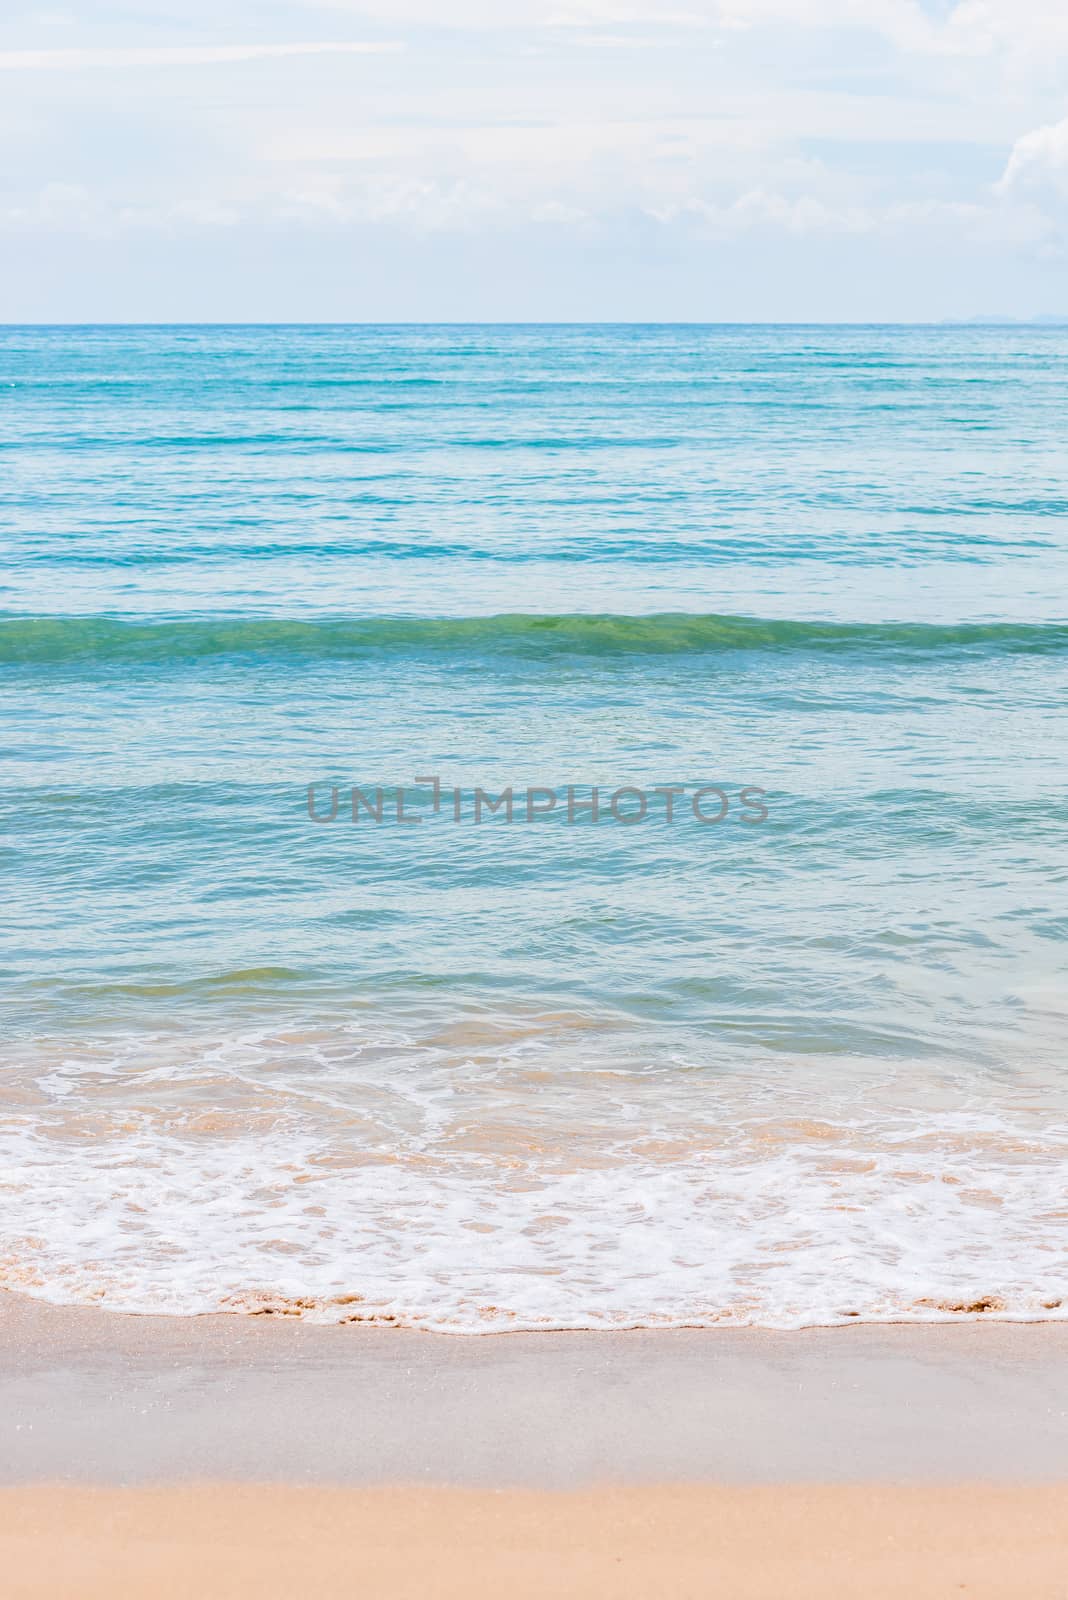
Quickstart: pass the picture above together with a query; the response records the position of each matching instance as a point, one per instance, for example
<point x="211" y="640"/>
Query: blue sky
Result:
<point x="534" y="159"/>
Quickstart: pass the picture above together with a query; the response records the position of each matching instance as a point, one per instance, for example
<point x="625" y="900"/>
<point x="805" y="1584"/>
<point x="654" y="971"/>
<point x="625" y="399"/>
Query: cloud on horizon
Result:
<point x="726" y="145"/>
<point x="180" y="55"/>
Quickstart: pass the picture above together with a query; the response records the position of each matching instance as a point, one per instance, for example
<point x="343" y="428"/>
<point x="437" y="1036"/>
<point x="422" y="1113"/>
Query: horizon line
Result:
<point x="1045" y="320"/>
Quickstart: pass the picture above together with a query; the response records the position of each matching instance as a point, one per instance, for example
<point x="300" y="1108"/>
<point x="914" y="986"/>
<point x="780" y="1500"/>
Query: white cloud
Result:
<point x="1025" y="35"/>
<point x="804" y="214"/>
<point x="182" y="55"/>
<point x="1020" y="26"/>
<point x="422" y="206"/>
<point x="881" y="132"/>
<point x="902" y="18"/>
<point x="560" y="145"/>
<point x="1039" y="159"/>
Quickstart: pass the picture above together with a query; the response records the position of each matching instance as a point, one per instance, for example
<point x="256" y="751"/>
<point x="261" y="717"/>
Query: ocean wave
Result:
<point x="505" y="1172"/>
<point x="44" y="640"/>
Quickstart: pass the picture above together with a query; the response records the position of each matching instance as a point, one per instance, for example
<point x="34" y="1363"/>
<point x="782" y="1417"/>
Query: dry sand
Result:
<point x="682" y="1543"/>
<point x="226" y="1457"/>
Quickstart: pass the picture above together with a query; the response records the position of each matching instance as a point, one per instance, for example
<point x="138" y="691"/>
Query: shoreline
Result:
<point x="92" y="1396"/>
<point x="231" y="1455"/>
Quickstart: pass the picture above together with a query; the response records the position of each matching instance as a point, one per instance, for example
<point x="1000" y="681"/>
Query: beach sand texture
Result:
<point x="240" y="1456"/>
<point x="686" y="1541"/>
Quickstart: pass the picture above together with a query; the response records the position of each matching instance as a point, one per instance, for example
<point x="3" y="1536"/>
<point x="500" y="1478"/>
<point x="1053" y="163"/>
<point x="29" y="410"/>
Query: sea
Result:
<point x="327" y="991"/>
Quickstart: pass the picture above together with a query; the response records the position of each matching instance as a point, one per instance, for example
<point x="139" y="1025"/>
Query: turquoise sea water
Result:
<point x="550" y="1072"/>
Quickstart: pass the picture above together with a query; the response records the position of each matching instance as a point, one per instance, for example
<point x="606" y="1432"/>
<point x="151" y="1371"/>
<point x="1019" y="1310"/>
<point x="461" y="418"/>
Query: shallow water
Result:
<point x="550" y="1072"/>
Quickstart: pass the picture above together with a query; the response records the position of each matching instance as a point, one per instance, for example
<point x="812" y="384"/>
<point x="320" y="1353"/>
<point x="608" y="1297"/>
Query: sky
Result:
<point x="533" y="160"/>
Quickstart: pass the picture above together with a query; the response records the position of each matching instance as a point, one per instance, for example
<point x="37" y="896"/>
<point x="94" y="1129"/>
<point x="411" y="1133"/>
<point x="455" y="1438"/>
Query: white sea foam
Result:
<point x="538" y="1175"/>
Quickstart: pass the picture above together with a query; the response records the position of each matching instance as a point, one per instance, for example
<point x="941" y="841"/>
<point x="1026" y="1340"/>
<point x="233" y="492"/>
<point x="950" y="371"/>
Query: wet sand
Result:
<point x="258" y="1456"/>
<point x="96" y="1397"/>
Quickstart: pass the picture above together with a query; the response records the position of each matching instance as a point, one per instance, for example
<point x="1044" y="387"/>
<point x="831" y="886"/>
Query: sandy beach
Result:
<point x="237" y="1455"/>
<point x="620" y="1544"/>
